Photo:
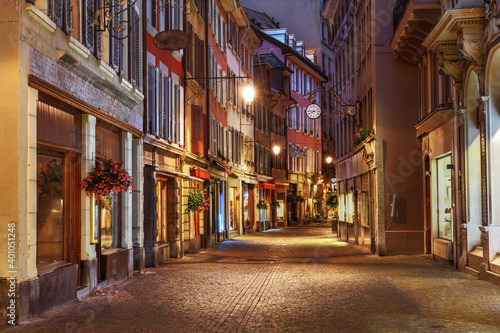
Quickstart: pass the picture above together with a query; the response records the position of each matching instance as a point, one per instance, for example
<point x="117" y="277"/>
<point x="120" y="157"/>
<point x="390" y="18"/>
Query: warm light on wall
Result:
<point x="276" y="150"/>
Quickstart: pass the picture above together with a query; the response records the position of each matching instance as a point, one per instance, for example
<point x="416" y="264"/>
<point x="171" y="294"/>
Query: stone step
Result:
<point x="475" y="257"/>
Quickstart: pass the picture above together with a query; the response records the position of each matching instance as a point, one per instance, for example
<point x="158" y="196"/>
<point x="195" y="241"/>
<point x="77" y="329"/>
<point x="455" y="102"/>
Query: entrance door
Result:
<point x="428" y="215"/>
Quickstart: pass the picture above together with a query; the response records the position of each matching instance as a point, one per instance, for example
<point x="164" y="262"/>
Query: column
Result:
<point x="137" y="205"/>
<point x="126" y="196"/>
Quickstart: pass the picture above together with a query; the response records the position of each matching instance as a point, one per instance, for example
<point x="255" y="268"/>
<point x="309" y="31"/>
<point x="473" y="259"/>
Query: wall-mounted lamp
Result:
<point x="328" y="160"/>
<point x="248" y="94"/>
<point x="276" y="150"/>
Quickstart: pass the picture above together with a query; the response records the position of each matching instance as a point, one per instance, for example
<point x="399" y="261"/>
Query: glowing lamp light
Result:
<point x="248" y="94"/>
<point x="276" y="150"/>
<point x="328" y="160"/>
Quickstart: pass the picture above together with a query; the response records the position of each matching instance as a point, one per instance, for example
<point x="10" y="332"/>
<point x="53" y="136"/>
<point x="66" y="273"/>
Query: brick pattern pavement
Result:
<point x="297" y="279"/>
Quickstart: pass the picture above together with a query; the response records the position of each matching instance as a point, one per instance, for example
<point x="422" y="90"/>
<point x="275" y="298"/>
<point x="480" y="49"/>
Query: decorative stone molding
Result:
<point x="453" y="68"/>
<point x="369" y="155"/>
<point x="471" y="47"/>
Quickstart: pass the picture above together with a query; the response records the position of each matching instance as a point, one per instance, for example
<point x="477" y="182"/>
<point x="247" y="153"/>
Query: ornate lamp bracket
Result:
<point x="109" y="17"/>
<point x="351" y="106"/>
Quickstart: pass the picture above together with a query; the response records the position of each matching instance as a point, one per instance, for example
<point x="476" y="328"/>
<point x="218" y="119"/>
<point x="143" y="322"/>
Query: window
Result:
<point x="162" y="211"/>
<point x="108" y="222"/>
<point x="165" y="106"/>
<point x="443" y="200"/>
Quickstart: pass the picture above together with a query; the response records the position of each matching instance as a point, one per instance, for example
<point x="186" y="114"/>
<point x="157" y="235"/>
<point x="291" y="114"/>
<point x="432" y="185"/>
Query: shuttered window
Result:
<point x="166" y="107"/>
<point x="59" y="11"/>
<point x="197" y="129"/>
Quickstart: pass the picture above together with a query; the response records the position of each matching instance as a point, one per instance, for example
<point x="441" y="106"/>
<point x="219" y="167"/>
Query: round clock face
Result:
<point x="313" y="111"/>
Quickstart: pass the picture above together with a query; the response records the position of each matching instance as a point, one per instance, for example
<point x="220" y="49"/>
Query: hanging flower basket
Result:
<point x="198" y="200"/>
<point x="291" y="198"/>
<point x="105" y="180"/>
<point x="274" y="205"/>
<point x="300" y="198"/>
<point x="49" y="180"/>
<point x="361" y="136"/>
<point x="317" y="200"/>
<point x="262" y="205"/>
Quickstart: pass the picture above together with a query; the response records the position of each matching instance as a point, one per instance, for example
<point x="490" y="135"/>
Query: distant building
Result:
<point x="377" y="169"/>
<point x="304" y="149"/>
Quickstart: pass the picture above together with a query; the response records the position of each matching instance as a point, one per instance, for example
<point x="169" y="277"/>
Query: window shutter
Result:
<point x="165" y="111"/>
<point x="115" y="44"/>
<point x="191" y="50"/>
<point x="134" y="48"/>
<point x="230" y="145"/>
<point x="56" y="11"/>
<point x="151" y="98"/>
<point x="214" y="138"/>
<point x="88" y="33"/>
<point x="181" y="116"/>
<point x="197" y="129"/>
<point x="158" y="101"/>
<point x="171" y="110"/>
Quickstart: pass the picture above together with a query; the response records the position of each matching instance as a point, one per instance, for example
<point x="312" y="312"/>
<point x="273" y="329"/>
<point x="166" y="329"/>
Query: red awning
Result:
<point x="200" y="174"/>
<point x="267" y="186"/>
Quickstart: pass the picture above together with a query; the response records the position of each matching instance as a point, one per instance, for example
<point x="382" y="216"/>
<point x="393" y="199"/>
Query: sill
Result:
<point x="106" y="69"/>
<point x="78" y="47"/>
<point x="43" y="19"/>
<point x="177" y="55"/>
<point x="138" y="94"/>
<point x="127" y="86"/>
<point x="50" y="268"/>
<point x="110" y="251"/>
<point x="151" y="30"/>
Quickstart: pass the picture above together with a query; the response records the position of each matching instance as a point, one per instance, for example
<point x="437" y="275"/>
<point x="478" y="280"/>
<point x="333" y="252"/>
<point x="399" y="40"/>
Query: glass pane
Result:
<point x="50" y="208"/>
<point x="246" y="205"/>
<point x="444" y="212"/>
<point x="110" y="228"/>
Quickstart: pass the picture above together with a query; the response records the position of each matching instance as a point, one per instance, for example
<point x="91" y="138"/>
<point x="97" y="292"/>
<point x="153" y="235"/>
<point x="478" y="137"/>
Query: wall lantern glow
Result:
<point x="276" y="150"/>
<point x="248" y="94"/>
<point x="328" y="160"/>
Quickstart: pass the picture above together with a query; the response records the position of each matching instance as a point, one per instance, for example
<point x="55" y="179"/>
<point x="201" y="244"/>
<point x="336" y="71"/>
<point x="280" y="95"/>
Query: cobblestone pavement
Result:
<point x="297" y="279"/>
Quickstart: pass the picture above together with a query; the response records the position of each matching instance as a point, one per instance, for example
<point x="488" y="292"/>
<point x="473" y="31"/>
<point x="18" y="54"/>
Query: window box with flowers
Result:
<point x="361" y="136"/>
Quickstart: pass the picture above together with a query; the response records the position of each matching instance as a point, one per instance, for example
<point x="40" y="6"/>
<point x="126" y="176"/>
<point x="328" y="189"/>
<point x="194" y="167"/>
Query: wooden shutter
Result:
<point x="190" y="50"/>
<point x="158" y="101"/>
<point x="197" y="129"/>
<point x="88" y="33"/>
<point x="200" y="60"/>
<point x="214" y="137"/>
<point x="56" y="12"/>
<point x="181" y="115"/>
<point x="134" y="46"/>
<point x="151" y="101"/>
<point x="115" y="44"/>
<point x="165" y="111"/>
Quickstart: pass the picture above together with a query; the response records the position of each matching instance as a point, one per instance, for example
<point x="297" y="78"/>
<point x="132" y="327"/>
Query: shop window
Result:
<point x="443" y="198"/>
<point x="342" y="207"/>
<point x="161" y="210"/>
<point x="107" y="219"/>
<point x="57" y="201"/>
<point x="350" y="208"/>
<point x="246" y="205"/>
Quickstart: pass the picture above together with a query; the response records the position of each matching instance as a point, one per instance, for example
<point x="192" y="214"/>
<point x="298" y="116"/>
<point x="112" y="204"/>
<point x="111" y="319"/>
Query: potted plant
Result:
<point x="361" y="136"/>
<point x="107" y="179"/>
<point x="198" y="200"/>
<point x="332" y="201"/>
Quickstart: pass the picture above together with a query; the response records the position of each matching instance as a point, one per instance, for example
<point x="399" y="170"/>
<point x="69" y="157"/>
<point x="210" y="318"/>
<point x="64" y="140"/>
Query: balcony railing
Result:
<point x="399" y="12"/>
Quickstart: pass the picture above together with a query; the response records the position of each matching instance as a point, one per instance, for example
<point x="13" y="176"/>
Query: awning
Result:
<point x="200" y="174"/>
<point x="267" y="186"/>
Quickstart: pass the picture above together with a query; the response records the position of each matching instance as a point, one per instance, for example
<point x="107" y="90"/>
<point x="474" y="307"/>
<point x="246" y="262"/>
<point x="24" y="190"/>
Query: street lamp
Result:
<point x="328" y="160"/>
<point x="248" y="94"/>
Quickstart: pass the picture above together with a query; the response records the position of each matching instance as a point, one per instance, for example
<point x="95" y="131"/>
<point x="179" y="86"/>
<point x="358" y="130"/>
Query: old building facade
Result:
<point x="75" y="99"/>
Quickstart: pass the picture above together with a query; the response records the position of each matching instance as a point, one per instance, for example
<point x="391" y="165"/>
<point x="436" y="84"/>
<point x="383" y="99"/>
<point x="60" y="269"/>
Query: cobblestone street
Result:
<point x="297" y="279"/>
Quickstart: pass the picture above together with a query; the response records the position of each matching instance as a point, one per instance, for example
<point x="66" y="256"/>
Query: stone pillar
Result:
<point x="137" y="205"/>
<point x="462" y="261"/>
<point x="485" y="240"/>
<point x="88" y="252"/>
<point x="126" y="196"/>
<point x="126" y="214"/>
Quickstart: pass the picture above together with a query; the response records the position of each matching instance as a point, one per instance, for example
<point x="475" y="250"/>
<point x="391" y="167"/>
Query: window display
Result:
<point x="443" y="198"/>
